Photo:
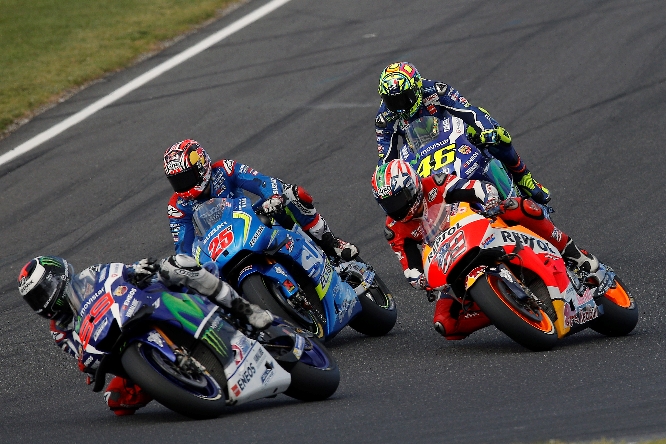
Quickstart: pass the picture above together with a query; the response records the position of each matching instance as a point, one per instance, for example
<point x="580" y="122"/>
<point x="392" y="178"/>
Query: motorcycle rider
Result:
<point x="195" y="180"/>
<point x="50" y="287"/>
<point x="402" y="194"/>
<point x="406" y="96"/>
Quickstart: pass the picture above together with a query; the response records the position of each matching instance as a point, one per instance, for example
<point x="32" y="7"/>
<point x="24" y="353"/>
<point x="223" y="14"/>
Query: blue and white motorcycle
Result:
<point x="441" y="146"/>
<point x="280" y="268"/>
<point x="186" y="352"/>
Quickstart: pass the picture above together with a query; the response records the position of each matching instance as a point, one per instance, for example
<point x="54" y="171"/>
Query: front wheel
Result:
<point x="529" y="326"/>
<point x="267" y="296"/>
<point x="188" y="391"/>
<point x="620" y="311"/>
<point x="315" y="376"/>
<point x="378" y="314"/>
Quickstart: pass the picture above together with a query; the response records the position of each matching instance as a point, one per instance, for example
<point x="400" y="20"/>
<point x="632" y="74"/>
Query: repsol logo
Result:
<point x="513" y="237"/>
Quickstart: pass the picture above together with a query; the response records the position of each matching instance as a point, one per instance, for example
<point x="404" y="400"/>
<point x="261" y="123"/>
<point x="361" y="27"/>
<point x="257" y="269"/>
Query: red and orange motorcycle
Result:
<point x="520" y="280"/>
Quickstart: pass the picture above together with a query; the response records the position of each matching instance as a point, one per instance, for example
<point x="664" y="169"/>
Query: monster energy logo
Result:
<point x="46" y="261"/>
<point x="211" y="338"/>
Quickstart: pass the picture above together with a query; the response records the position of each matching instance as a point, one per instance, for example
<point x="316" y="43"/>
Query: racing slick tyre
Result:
<point x="620" y="311"/>
<point x="378" y="314"/>
<point x="529" y="326"/>
<point x="315" y="376"/>
<point x="190" y="392"/>
<point x="266" y="295"/>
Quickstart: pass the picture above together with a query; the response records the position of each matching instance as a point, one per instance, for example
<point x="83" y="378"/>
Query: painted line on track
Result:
<point x="141" y="80"/>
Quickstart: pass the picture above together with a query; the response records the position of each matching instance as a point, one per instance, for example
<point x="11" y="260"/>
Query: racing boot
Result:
<point x="251" y="314"/>
<point x="581" y="259"/>
<point x="334" y="246"/>
<point x="454" y="323"/>
<point x="532" y="188"/>
<point x="125" y="398"/>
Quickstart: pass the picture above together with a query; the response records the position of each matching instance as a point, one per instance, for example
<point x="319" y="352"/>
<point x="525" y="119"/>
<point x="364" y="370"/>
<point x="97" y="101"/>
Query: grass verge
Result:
<point x="51" y="48"/>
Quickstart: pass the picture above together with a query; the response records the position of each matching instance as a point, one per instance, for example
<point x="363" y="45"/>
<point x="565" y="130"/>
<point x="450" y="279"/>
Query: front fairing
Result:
<point x="116" y="307"/>
<point x="454" y="234"/>
<point x="437" y="146"/>
<point x="224" y="227"/>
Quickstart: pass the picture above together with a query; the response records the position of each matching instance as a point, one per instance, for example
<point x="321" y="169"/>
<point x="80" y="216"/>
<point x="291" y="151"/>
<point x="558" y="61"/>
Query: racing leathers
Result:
<point x="405" y="238"/>
<point x="230" y="179"/>
<point x="441" y="100"/>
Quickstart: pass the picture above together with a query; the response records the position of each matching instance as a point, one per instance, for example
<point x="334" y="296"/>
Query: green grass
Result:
<point x="51" y="47"/>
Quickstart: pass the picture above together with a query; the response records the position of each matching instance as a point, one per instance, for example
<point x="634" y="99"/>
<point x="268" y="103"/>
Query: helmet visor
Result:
<point x="185" y="180"/>
<point x="398" y="205"/>
<point x="400" y="102"/>
<point x="44" y="295"/>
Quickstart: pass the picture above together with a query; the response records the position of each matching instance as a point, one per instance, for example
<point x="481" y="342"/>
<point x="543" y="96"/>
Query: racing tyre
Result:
<point x="620" y="311"/>
<point x="268" y="296"/>
<point x="530" y="327"/>
<point x="378" y="314"/>
<point x="191" y="393"/>
<point x="315" y="376"/>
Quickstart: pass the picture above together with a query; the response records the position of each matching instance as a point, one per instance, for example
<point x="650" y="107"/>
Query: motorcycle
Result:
<point x="189" y="354"/>
<point x="436" y="146"/>
<point x="520" y="280"/>
<point x="280" y="268"/>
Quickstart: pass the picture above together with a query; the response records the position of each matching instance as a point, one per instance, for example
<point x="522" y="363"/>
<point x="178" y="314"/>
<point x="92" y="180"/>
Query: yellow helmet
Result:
<point x="400" y="86"/>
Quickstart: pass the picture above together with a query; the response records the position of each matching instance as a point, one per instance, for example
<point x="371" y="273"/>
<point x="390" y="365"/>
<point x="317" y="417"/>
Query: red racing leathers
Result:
<point x="405" y="238"/>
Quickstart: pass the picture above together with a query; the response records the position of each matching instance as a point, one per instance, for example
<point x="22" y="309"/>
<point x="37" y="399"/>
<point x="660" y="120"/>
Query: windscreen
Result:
<point x="422" y="131"/>
<point x="208" y="214"/>
<point x="83" y="285"/>
<point x="436" y="218"/>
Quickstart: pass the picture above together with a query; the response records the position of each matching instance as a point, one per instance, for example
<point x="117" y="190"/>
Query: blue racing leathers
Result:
<point x="440" y="100"/>
<point x="229" y="179"/>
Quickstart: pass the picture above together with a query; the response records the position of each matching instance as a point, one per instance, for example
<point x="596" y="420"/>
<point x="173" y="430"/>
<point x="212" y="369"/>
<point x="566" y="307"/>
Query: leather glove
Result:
<point x="146" y="267"/>
<point x="273" y="205"/>
<point x="491" y="201"/>
<point x="183" y="270"/>
<point x="494" y="136"/>
<point x="422" y="282"/>
<point x="62" y="339"/>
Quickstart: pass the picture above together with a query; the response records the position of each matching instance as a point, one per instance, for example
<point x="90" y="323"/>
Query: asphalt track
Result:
<point x="581" y="86"/>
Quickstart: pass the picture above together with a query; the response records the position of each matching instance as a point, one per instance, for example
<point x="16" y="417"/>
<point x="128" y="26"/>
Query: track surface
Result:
<point x="581" y="86"/>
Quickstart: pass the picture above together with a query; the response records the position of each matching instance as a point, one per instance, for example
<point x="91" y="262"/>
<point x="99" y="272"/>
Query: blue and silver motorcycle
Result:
<point x="186" y="352"/>
<point x="280" y="268"/>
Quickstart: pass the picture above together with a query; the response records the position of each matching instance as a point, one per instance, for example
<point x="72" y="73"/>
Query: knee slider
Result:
<point x="304" y="197"/>
<point x="299" y="196"/>
<point x="531" y="209"/>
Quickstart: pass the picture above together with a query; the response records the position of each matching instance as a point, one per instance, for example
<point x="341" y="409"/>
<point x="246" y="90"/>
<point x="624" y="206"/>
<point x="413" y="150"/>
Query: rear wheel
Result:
<point x="620" y="311"/>
<point x="524" y="322"/>
<point x="188" y="390"/>
<point x="266" y="295"/>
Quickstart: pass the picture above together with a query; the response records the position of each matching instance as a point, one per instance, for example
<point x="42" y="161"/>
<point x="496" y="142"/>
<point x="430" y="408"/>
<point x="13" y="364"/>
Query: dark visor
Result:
<point x="185" y="180"/>
<point x="400" y="102"/>
<point x="397" y="206"/>
<point x="40" y="296"/>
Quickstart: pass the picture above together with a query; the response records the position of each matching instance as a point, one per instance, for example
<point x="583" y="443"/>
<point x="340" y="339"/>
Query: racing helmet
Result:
<point x="398" y="190"/>
<point x="45" y="284"/>
<point x="188" y="168"/>
<point x="400" y="86"/>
